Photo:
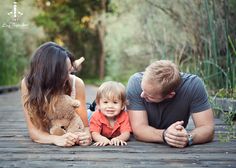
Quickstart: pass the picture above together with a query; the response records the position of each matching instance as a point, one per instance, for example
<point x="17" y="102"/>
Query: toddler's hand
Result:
<point x="117" y="142"/>
<point x="103" y="142"/>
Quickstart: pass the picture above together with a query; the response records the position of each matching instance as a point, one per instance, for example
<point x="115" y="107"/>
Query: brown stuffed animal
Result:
<point x="64" y="118"/>
<point x="77" y="64"/>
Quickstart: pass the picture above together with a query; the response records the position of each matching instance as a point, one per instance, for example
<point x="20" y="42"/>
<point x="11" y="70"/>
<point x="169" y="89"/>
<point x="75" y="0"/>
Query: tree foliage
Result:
<point x="194" y="34"/>
<point x="74" y="25"/>
<point x="16" y="43"/>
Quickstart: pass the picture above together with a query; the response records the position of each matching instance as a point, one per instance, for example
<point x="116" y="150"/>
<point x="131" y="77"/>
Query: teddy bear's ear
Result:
<point x="77" y="63"/>
<point x="76" y="103"/>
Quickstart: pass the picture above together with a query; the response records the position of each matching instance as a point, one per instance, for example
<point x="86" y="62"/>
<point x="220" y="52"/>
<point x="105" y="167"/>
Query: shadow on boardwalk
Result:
<point x="17" y="150"/>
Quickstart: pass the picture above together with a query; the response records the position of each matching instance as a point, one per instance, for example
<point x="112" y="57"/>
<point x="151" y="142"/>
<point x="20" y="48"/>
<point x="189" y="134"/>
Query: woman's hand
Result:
<point x="117" y="142"/>
<point x="84" y="138"/>
<point x="66" y="140"/>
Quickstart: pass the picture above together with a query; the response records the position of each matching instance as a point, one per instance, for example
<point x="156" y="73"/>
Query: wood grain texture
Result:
<point x="17" y="150"/>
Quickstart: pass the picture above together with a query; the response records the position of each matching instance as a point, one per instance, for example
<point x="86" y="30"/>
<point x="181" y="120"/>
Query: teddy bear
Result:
<point x="63" y="117"/>
<point x="77" y="64"/>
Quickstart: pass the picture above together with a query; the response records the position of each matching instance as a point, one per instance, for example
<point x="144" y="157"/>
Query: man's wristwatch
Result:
<point x="190" y="139"/>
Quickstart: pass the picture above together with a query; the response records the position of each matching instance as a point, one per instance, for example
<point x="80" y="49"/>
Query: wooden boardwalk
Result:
<point x="17" y="150"/>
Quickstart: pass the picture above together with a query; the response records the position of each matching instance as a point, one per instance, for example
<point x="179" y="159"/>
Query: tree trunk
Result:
<point x="101" y="32"/>
<point x="101" y="36"/>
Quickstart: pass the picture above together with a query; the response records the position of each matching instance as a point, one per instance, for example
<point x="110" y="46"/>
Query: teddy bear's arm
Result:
<point x="76" y="124"/>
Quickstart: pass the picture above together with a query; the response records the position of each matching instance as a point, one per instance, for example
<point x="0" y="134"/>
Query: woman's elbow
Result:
<point x="33" y="136"/>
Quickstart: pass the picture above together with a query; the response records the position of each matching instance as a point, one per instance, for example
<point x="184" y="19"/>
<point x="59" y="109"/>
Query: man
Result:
<point x="161" y="101"/>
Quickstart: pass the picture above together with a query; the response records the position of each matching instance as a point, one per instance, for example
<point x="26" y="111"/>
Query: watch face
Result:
<point x="190" y="139"/>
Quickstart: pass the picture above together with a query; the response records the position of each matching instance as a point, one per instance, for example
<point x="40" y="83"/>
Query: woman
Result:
<point x="49" y="76"/>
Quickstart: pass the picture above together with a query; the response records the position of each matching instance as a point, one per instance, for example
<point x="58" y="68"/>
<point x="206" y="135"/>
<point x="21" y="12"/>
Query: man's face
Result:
<point x="151" y="92"/>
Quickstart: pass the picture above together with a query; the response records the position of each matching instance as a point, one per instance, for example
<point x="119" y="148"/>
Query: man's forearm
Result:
<point x="203" y="134"/>
<point x="148" y="134"/>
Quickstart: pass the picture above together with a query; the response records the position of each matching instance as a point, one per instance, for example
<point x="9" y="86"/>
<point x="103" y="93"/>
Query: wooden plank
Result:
<point x="6" y="89"/>
<point x="111" y="159"/>
<point x="18" y="150"/>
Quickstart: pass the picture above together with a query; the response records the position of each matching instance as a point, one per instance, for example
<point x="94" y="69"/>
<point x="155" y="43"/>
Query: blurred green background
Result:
<point x="120" y="37"/>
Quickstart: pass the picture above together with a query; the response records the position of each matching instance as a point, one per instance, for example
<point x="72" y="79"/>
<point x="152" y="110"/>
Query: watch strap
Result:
<point x="190" y="139"/>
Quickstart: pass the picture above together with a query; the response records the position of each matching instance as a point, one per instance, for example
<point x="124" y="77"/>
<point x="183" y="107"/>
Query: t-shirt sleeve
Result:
<point x="95" y="124"/>
<point x="133" y="92"/>
<point x="199" y="101"/>
<point x="125" y="126"/>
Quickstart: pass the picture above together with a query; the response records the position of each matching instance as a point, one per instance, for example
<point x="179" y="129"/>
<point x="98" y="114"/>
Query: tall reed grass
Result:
<point x="218" y="69"/>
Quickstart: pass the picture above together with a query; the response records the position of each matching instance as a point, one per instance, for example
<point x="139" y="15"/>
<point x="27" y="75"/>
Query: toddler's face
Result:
<point x="110" y="107"/>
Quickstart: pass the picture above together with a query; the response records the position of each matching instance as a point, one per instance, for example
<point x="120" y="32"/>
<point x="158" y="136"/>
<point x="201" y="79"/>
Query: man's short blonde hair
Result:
<point x="163" y="73"/>
<point x="112" y="90"/>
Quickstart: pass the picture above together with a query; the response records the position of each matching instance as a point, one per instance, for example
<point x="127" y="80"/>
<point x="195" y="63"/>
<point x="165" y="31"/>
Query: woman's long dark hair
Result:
<point x="47" y="78"/>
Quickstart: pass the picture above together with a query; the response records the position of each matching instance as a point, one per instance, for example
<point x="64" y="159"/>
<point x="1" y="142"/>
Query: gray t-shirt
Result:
<point x="191" y="97"/>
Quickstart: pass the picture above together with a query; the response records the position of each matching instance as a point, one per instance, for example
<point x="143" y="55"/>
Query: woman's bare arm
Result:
<point x="39" y="135"/>
<point x="84" y="138"/>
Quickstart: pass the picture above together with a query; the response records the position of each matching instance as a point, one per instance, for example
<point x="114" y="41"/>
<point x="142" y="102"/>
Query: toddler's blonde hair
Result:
<point x="112" y="90"/>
